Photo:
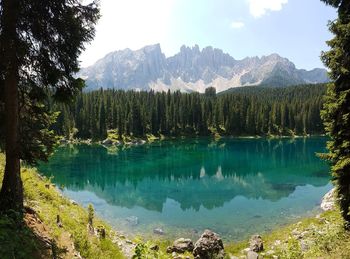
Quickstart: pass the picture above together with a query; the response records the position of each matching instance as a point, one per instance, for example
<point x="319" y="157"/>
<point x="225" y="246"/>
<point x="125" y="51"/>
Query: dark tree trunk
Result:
<point x="11" y="195"/>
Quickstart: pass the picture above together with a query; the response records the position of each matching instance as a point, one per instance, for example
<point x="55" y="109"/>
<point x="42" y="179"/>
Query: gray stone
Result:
<point x="181" y="245"/>
<point x="209" y="245"/>
<point x="304" y="245"/>
<point x="328" y="201"/>
<point x="133" y="220"/>
<point x="158" y="231"/>
<point x="256" y="243"/>
<point x="253" y="255"/>
<point x="107" y="142"/>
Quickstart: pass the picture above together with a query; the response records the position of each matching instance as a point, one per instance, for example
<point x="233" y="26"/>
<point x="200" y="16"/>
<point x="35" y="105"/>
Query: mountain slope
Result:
<point x="193" y="69"/>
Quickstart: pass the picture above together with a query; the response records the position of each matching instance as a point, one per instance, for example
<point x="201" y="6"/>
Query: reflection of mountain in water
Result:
<point x="192" y="172"/>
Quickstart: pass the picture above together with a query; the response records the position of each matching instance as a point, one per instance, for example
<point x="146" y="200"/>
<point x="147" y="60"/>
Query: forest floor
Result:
<point x="41" y="235"/>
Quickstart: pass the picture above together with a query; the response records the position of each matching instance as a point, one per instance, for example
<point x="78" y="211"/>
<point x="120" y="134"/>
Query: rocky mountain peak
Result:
<point x="193" y="69"/>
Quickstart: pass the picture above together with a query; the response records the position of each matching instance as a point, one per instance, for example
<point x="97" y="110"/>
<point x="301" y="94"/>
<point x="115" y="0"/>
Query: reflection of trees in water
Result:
<point x="191" y="172"/>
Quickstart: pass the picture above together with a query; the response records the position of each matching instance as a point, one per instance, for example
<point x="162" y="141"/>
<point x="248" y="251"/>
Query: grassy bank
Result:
<point x="320" y="237"/>
<point x="41" y="236"/>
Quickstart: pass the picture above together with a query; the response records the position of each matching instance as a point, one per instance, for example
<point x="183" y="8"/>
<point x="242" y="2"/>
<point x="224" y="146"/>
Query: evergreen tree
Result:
<point x="40" y="42"/>
<point x="336" y="113"/>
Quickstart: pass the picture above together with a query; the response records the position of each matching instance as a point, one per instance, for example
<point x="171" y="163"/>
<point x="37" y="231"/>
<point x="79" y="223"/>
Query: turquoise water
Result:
<point x="235" y="187"/>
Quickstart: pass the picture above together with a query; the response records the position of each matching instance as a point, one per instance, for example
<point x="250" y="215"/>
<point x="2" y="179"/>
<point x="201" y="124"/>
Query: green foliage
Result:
<point x="50" y="37"/>
<point x="90" y="214"/>
<point x="336" y="114"/>
<point x="144" y="251"/>
<point x="242" y="111"/>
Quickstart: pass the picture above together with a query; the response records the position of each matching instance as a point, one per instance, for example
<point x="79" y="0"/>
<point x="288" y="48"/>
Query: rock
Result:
<point x="296" y="234"/>
<point x="304" y="246"/>
<point x="245" y="250"/>
<point x="73" y="202"/>
<point x="158" y="231"/>
<point x="181" y="245"/>
<point x="209" y="245"/>
<point x="133" y="220"/>
<point x="63" y="141"/>
<point x="252" y="255"/>
<point x="107" y="142"/>
<point x="277" y="243"/>
<point x="328" y="201"/>
<point x="256" y="243"/>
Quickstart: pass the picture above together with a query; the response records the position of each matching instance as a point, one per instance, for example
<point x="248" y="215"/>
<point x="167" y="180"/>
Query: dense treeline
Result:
<point x="241" y="111"/>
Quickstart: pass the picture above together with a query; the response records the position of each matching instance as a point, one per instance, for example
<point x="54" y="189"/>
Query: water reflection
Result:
<point x="195" y="173"/>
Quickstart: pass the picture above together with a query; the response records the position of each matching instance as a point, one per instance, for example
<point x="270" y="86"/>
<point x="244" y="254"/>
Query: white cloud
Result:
<point x="237" y="25"/>
<point x="259" y="8"/>
<point x="128" y="24"/>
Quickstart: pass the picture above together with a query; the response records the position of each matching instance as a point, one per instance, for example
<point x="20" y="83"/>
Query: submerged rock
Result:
<point x="133" y="220"/>
<point x="158" y="231"/>
<point x="181" y="245"/>
<point x="328" y="201"/>
<point x="256" y="243"/>
<point x="209" y="245"/>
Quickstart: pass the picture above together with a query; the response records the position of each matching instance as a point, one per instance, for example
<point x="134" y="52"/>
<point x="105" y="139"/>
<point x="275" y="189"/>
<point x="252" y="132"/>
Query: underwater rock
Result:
<point x="158" y="231"/>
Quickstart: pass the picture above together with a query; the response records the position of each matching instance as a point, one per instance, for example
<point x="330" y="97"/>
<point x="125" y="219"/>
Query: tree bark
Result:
<point x="11" y="195"/>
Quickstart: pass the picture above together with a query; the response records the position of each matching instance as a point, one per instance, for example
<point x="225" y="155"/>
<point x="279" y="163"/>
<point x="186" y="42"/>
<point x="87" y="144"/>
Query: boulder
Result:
<point x="107" y="142"/>
<point x="328" y="201"/>
<point x="209" y="245"/>
<point x="158" y="231"/>
<point x="252" y="255"/>
<point x="256" y="243"/>
<point x="181" y="245"/>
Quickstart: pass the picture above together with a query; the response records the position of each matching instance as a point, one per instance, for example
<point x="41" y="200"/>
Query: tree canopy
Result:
<point x="40" y="42"/>
<point x="243" y="111"/>
<point x="336" y="112"/>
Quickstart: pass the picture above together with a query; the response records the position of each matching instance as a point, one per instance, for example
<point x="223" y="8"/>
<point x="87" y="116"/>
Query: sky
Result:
<point x="295" y="29"/>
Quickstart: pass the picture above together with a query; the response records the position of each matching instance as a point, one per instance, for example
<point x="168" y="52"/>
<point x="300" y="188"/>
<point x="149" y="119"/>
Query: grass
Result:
<point x="18" y="241"/>
<point x="324" y="235"/>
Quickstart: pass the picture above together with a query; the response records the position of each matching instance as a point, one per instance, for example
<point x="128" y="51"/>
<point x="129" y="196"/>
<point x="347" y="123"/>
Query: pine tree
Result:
<point x="336" y="113"/>
<point x="40" y="42"/>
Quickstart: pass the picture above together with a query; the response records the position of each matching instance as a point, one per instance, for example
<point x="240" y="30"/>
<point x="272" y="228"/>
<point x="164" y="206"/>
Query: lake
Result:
<point x="235" y="187"/>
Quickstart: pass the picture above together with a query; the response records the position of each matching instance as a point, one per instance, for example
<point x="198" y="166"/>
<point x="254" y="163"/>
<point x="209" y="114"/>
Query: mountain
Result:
<point x="193" y="69"/>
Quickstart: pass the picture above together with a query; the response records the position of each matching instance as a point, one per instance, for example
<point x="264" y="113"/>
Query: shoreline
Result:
<point x="135" y="141"/>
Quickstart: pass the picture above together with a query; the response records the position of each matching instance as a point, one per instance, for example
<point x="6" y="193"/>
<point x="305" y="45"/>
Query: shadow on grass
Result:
<point x="18" y="239"/>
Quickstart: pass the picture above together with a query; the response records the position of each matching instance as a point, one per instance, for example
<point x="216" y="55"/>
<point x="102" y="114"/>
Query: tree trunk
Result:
<point x="11" y="195"/>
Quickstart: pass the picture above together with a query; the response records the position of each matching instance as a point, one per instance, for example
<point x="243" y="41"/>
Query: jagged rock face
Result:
<point x="193" y="69"/>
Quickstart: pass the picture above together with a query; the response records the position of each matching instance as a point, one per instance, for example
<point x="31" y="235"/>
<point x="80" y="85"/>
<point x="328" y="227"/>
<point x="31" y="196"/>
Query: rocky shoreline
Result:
<point x="210" y="245"/>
